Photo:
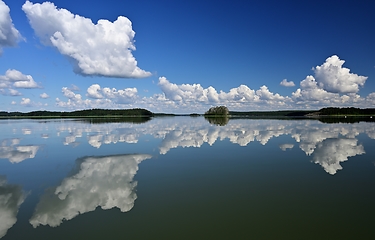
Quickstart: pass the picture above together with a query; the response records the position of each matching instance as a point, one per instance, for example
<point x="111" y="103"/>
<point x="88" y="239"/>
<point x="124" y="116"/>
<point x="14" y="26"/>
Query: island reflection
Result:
<point x="105" y="182"/>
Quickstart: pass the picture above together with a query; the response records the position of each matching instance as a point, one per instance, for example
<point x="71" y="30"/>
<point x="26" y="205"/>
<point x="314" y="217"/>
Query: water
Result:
<point x="186" y="178"/>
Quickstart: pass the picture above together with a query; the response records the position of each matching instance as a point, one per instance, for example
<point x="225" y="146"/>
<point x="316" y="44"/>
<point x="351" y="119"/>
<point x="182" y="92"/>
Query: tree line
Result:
<point x="349" y="111"/>
<point x="82" y="113"/>
<point x="212" y="112"/>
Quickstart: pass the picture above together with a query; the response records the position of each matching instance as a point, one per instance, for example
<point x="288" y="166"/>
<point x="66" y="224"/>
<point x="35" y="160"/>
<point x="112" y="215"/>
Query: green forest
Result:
<point x="136" y="112"/>
<point x="214" y="111"/>
<point x="350" y="111"/>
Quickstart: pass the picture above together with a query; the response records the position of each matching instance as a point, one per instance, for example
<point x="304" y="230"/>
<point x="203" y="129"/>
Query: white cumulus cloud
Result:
<point x="331" y="85"/>
<point x="285" y="83"/>
<point x="94" y="91"/>
<point x="313" y="93"/>
<point x="14" y="92"/>
<point x="122" y="96"/>
<point x="332" y="76"/>
<point x="26" y="101"/>
<point x="16" y="79"/>
<point x="193" y="94"/>
<point x="265" y="94"/>
<point x="9" y="35"/>
<point x="44" y="95"/>
<point x="127" y="95"/>
<point x="103" y="49"/>
<point x="99" y="97"/>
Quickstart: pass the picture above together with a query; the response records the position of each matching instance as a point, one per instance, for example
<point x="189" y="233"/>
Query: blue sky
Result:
<point x="186" y="56"/>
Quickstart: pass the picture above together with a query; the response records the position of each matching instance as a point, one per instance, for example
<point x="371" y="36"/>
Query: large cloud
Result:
<point x="331" y="85"/>
<point x="102" y="49"/>
<point x="100" y="181"/>
<point x="9" y="35"/>
<point x="11" y="197"/>
<point x="332" y="77"/>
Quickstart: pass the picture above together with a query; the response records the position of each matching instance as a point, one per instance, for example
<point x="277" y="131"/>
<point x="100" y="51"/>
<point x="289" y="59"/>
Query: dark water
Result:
<point x="186" y="178"/>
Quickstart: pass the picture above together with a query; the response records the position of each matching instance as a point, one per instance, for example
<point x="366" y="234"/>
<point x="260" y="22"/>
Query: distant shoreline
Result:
<point x="143" y="113"/>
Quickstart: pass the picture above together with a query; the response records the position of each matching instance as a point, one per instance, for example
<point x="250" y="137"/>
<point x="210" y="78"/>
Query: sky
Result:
<point x="179" y="56"/>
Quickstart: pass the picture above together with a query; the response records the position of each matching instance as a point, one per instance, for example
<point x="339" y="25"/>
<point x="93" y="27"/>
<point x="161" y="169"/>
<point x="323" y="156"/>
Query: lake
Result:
<point x="186" y="178"/>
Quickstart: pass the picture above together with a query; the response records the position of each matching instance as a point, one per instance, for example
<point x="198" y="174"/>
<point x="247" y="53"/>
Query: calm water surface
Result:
<point x="186" y="178"/>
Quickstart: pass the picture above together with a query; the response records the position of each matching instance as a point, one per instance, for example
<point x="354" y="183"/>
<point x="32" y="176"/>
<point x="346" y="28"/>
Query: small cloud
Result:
<point x="94" y="91"/>
<point x="26" y="101"/>
<point x="74" y="88"/>
<point x="122" y="96"/>
<point x="13" y="103"/>
<point x="285" y="83"/>
<point x="13" y="92"/>
<point x="264" y="94"/>
<point x="102" y="49"/>
<point x="44" y="95"/>
<point x="127" y="95"/>
<point x="286" y="146"/>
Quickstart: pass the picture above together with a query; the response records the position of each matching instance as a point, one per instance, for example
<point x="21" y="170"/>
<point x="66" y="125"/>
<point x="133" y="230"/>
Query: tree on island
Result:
<point x="217" y="111"/>
<point x="217" y="115"/>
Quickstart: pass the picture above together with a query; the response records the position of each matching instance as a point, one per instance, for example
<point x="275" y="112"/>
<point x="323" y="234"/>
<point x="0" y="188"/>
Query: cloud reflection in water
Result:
<point x="105" y="182"/>
<point x="15" y="153"/>
<point x="11" y="197"/>
<point x="331" y="152"/>
<point x="309" y="135"/>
